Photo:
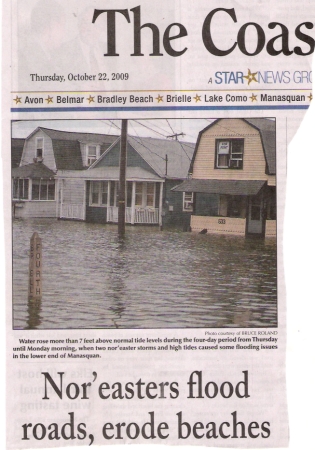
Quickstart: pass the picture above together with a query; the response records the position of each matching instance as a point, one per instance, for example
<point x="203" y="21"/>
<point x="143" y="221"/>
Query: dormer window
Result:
<point x="92" y="153"/>
<point x="229" y="154"/>
<point x="39" y="148"/>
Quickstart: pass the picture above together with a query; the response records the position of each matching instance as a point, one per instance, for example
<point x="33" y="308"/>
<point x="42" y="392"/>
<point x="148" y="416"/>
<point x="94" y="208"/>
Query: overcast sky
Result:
<point x="158" y="128"/>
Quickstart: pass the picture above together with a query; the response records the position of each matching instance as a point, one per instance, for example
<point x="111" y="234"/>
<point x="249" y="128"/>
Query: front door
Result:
<point x="255" y="216"/>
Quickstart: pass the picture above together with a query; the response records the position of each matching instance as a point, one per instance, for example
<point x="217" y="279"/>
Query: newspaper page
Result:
<point x="145" y="170"/>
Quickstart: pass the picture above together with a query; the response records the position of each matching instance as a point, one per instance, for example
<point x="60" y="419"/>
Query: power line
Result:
<point x="151" y="129"/>
<point x="141" y="142"/>
<point x="175" y="134"/>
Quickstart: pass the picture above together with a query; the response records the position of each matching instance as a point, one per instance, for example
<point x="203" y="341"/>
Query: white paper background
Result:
<point x="299" y="263"/>
<point x="299" y="268"/>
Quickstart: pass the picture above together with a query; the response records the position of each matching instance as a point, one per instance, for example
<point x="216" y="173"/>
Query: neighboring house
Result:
<point x="154" y="166"/>
<point x="233" y="178"/>
<point x="17" y="145"/>
<point x="45" y="152"/>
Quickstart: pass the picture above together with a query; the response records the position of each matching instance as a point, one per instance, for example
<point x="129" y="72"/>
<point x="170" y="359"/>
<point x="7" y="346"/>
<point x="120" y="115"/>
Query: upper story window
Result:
<point x="39" y="148"/>
<point x="229" y="153"/>
<point x="92" y="153"/>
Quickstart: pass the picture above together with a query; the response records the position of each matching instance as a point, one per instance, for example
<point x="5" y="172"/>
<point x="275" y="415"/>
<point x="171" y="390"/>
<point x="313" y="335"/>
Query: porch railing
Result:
<point x="141" y="215"/>
<point x="72" y="211"/>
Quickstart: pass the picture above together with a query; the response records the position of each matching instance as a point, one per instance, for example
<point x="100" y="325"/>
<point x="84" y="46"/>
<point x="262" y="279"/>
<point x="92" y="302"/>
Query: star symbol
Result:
<point x="250" y="76"/>
<point x="159" y="98"/>
<point x="253" y="98"/>
<point x="90" y="99"/>
<point x="310" y="97"/>
<point x="17" y="100"/>
<point x="49" y="99"/>
<point x="197" y="98"/>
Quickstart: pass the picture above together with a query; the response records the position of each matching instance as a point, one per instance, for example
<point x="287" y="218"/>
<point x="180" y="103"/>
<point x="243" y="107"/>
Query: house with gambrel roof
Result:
<point x="75" y="176"/>
<point x="232" y="181"/>
<point x="17" y="145"/>
<point x="45" y="152"/>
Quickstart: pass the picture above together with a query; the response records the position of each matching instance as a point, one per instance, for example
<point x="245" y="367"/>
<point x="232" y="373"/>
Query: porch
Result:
<point x="145" y="216"/>
<point x="72" y="211"/>
<point x="134" y="215"/>
<point x="228" y="225"/>
<point x="219" y="225"/>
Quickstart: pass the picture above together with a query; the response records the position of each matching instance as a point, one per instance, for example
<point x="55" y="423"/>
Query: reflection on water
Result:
<point x="151" y="279"/>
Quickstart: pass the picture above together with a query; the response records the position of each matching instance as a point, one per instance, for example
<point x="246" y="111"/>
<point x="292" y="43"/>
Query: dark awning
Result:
<point x="228" y="187"/>
<point x="34" y="170"/>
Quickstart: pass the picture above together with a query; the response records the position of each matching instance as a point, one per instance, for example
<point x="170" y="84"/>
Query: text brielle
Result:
<point x="278" y="44"/>
<point x="230" y="425"/>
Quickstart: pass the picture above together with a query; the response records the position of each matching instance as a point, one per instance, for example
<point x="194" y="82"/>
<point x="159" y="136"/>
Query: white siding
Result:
<point x="35" y="209"/>
<point x="29" y="151"/>
<point x="254" y="164"/>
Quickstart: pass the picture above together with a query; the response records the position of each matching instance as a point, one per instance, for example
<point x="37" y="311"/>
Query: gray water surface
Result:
<point x="151" y="279"/>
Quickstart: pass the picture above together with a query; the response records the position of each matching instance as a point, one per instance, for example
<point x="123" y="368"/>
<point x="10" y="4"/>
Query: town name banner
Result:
<point x="145" y="165"/>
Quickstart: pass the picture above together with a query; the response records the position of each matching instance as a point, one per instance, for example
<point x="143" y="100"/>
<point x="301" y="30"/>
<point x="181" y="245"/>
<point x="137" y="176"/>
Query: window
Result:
<point x="145" y="194"/>
<point x="20" y="188"/>
<point x="236" y="206"/>
<point x="94" y="193"/>
<point x="139" y="194"/>
<point x="229" y="154"/>
<point x="98" y="193"/>
<point x="43" y="189"/>
<point x="150" y="194"/>
<point x="188" y="199"/>
<point x="92" y="154"/>
<point x="39" y="148"/>
<point x="271" y="203"/>
<point x="104" y="192"/>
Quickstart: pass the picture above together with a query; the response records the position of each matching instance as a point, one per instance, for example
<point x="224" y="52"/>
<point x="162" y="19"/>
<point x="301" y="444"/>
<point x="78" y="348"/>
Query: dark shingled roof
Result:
<point x="96" y="138"/>
<point x="34" y="170"/>
<point x="16" y="151"/>
<point x="67" y="154"/>
<point x="66" y="145"/>
<point x="153" y="152"/>
<point x="267" y="129"/>
<point x="228" y="187"/>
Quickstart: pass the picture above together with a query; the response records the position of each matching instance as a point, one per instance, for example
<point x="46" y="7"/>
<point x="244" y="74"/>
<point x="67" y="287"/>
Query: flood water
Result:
<point x="151" y="279"/>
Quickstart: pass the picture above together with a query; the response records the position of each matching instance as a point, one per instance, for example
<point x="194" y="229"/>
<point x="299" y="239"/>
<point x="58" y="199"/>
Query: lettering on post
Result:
<point x="35" y="268"/>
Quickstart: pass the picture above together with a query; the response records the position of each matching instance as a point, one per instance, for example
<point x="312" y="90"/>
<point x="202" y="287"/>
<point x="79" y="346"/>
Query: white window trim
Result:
<point x="187" y="202"/>
<point x="39" y="158"/>
<point x="41" y="199"/>
<point x="145" y="194"/>
<point x="98" y="152"/>
<point x="230" y="140"/>
<point x="99" y="203"/>
<point x="18" y="190"/>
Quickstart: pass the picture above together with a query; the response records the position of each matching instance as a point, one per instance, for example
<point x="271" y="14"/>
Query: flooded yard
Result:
<point x="151" y="279"/>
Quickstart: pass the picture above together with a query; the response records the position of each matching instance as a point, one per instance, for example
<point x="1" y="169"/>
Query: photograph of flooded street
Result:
<point x="151" y="279"/>
<point x="183" y="237"/>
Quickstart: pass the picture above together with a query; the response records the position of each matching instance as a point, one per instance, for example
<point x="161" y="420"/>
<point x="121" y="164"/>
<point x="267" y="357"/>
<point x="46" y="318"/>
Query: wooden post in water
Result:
<point x="35" y="268"/>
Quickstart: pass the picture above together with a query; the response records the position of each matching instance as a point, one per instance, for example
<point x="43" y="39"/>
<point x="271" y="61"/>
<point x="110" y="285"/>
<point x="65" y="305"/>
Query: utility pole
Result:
<point x="122" y="179"/>
<point x="175" y="136"/>
<point x="166" y="161"/>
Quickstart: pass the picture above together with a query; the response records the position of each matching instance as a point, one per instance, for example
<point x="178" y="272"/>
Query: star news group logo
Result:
<point x="282" y="77"/>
